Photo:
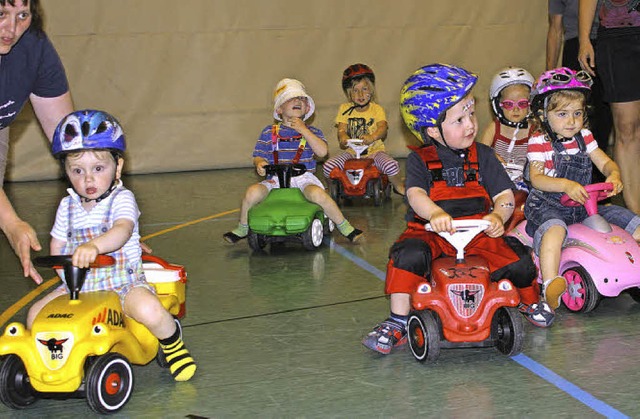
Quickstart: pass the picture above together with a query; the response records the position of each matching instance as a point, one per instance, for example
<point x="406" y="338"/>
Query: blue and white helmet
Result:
<point x="429" y="92"/>
<point x="87" y="130"/>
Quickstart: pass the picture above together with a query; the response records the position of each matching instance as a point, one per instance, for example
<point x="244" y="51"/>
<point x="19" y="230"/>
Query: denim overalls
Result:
<point x="120" y="277"/>
<point x="543" y="209"/>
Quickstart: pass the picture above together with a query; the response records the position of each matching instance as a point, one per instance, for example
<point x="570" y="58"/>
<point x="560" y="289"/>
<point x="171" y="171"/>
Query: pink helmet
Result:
<point x="562" y="78"/>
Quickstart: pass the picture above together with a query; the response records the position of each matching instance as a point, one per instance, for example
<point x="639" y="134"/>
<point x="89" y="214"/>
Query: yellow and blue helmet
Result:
<point x="87" y="130"/>
<point x="429" y="92"/>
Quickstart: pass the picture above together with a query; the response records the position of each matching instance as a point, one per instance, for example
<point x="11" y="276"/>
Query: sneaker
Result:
<point x="553" y="289"/>
<point x="231" y="237"/>
<point x="387" y="335"/>
<point x="538" y="314"/>
<point x="355" y="235"/>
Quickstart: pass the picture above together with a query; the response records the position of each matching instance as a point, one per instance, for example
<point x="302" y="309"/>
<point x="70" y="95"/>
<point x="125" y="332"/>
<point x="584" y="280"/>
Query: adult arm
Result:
<point x="51" y="110"/>
<point x="21" y="236"/>
<point x="586" y="54"/>
<point x="554" y="40"/>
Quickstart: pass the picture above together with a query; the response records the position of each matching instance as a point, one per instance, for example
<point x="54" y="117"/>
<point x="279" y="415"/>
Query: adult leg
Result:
<point x="626" y="121"/>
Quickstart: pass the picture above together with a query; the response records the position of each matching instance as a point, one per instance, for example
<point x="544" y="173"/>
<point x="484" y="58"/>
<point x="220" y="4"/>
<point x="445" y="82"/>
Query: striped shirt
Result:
<point x="288" y="143"/>
<point x="540" y="149"/>
<point x="124" y="206"/>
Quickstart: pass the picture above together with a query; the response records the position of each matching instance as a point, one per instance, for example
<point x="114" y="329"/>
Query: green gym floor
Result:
<point x="278" y="334"/>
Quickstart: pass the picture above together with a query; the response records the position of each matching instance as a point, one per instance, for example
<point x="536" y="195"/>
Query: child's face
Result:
<point x="567" y="119"/>
<point x="361" y="93"/>
<point x="460" y="125"/>
<point x="91" y="172"/>
<point x="512" y="98"/>
<point x="294" y="108"/>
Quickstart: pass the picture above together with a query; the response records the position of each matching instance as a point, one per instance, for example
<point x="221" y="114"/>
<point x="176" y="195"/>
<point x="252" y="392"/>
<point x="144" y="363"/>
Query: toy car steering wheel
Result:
<point x="285" y="172"/>
<point x="597" y="192"/>
<point x="357" y="145"/>
<point x="73" y="276"/>
<point x="466" y="230"/>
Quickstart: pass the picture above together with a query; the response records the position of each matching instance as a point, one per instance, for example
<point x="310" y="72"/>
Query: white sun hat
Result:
<point x="287" y="89"/>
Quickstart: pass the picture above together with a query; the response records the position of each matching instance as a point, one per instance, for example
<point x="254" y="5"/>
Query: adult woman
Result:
<point x="618" y="64"/>
<point x="30" y="69"/>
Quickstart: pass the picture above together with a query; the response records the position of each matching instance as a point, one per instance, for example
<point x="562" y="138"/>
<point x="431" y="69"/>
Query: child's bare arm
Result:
<point x="379" y="134"/>
<point x="503" y="205"/>
<point x="609" y="168"/>
<point x="487" y="135"/>
<point x="551" y="184"/>
<point x="55" y="248"/>
<point x="110" y="241"/>
<point x="342" y="135"/>
<point x="425" y="208"/>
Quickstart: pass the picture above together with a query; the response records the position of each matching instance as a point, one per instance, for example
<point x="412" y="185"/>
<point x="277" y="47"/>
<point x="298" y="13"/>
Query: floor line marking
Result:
<point x="28" y="298"/>
<point x="526" y="362"/>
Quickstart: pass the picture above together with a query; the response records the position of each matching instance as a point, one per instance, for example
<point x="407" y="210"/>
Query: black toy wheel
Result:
<point x="634" y="293"/>
<point x="160" y="358"/>
<point x="387" y="190"/>
<point x="377" y="192"/>
<point x="582" y="296"/>
<point x="334" y="190"/>
<point x="256" y="241"/>
<point x="15" y="388"/>
<point x="109" y="383"/>
<point x="312" y="238"/>
<point x="507" y="331"/>
<point x="424" y="336"/>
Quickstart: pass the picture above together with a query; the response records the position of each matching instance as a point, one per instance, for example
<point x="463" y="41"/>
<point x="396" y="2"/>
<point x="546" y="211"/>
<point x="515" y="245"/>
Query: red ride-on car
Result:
<point x="461" y="307"/>
<point x="359" y="178"/>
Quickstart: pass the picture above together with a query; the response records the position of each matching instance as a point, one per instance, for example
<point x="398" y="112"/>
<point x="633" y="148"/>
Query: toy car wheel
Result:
<point x="334" y="191"/>
<point x="387" y="191"/>
<point x="109" y="383"/>
<point x="582" y="296"/>
<point x="634" y="293"/>
<point x="507" y="331"/>
<point x="424" y="336"/>
<point x="15" y="388"/>
<point x="377" y="192"/>
<point x="312" y="238"/>
<point x="160" y="358"/>
<point x="256" y="241"/>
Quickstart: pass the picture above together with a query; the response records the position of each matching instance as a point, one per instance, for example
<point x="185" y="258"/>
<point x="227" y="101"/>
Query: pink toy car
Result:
<point x="598" y="259"/>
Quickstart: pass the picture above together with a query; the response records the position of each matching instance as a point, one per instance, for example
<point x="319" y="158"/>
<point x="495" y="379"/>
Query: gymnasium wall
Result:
<point x="191" y="81"/>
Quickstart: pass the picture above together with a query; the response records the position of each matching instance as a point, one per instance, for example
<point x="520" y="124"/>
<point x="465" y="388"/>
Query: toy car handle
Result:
<point x="59" y="261"/>
<point x="597" y="192"/>
<point x="285" y="171"/>
<point x="466" y="230"/>
<point x="357" y="145"/>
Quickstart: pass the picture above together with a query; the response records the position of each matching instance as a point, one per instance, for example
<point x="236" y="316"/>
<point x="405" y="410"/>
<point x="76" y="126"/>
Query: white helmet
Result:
<point x="287" y="89"/>
<point x="508" y="77"/>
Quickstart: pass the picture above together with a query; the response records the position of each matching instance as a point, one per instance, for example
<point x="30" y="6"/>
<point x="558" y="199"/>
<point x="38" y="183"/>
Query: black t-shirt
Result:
<point x="491" y="174"/>
<point x="32" y="66"/>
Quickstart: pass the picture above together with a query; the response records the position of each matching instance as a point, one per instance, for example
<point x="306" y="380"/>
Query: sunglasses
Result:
<point x="559" y="79"/>
<point x="510" y="104"/>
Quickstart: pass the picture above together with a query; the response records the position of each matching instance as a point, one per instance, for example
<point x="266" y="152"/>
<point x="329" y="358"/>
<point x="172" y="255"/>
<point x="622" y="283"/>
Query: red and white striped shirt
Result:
<point x="540" y="149"/>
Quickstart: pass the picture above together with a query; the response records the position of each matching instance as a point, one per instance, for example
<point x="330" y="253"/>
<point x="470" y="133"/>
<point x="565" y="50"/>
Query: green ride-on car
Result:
<point x="286" y="215"/>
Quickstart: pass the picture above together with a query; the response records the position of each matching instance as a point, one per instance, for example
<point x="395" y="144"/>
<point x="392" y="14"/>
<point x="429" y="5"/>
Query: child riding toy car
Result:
<point x="82" y="344"/>
<point x="598" y="258"/>
<point x="460" y="307"/>
<point x="286" y="215"/>
<point x="359" y="178"/>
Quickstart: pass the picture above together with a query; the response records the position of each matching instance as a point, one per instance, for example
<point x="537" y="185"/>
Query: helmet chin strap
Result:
<point x="503" y="120"/>
<point x="356" y="106"/>
<point x="108" y="192"/>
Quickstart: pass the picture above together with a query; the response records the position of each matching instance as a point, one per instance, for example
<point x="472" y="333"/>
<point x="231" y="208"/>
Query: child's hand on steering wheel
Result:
<point x="576" y="191"/>
<point x="496" y="229"/>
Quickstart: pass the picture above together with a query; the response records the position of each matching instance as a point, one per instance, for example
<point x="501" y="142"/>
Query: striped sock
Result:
<point x="181" y="364"/>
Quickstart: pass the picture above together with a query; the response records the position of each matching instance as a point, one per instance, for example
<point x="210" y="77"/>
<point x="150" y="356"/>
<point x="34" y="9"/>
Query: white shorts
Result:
<point x="300" y="182"/>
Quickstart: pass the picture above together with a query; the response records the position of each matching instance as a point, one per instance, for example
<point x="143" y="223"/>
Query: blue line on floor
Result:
<point x="536" y="368"/>
<point x="569" y="388"/>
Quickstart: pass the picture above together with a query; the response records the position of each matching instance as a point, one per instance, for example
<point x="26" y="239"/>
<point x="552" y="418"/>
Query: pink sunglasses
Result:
<point x="510" y="104"/>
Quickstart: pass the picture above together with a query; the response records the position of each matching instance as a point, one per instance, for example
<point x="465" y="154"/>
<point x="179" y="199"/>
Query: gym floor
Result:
<point x="278" y="334"/>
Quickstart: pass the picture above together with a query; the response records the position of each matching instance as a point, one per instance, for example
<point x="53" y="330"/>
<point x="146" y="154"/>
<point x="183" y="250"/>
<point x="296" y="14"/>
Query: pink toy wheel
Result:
<point x="582" y="295"/>
<point x="597" y="192"/>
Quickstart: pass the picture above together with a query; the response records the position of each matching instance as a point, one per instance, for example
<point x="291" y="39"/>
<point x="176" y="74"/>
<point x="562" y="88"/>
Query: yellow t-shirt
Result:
<point x="360" y="123"/>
